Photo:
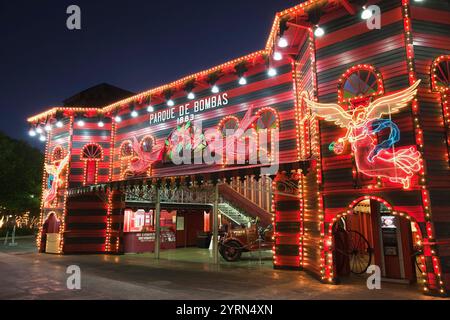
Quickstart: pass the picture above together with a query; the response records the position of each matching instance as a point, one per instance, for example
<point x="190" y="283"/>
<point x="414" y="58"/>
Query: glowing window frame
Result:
<point x="360" y="67"/>
<point x="82" y="157"/>
<point x="90" y="160"/>
<point x="55" y="149"/>
<point x="267" y="109"/>
<point x="141" y="144"/>
<point x="121" y="153"/>
<point x="224" y="120"/>
<point x="434" y="86"/>
<point x="277" y="127"/>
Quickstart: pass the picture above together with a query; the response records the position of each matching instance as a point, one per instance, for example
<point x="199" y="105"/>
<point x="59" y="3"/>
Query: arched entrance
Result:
<point x="372" y="233"/>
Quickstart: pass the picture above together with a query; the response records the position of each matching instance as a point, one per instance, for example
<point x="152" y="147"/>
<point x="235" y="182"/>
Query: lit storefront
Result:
<point x="355" y="120"/>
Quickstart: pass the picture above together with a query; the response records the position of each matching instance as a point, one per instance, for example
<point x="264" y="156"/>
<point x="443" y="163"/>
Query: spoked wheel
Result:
<point x="230" y="251"/>
<point x="359" y="252"/>
<point x="418" y="260"/>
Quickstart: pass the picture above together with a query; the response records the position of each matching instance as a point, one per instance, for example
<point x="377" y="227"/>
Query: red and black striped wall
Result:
<point x="431" y="33"/>
<point x="86" y="216"/>
<point x="84" y="135"/>
<point x="86" y="222"/>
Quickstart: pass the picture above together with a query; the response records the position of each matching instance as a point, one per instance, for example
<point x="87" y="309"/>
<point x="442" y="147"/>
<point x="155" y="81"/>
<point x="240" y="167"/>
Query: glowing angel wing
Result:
<point x="63" y="164"/>
<point x="330" y="112"/>
<point x="391" y="103"/>
<point x="51" y="169"/>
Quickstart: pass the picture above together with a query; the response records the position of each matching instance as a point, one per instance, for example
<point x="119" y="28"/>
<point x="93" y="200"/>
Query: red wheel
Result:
<point x="231" y="251"/>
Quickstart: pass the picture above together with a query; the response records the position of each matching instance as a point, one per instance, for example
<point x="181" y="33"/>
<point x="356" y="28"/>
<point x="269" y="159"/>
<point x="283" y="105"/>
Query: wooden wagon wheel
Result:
<point x="359" y="252"/>
<point x="355" y="247"/>
<point x="418" y="261"/>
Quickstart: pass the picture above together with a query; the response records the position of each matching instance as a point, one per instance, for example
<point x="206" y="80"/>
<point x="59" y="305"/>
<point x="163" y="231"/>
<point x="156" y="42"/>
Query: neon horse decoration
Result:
<point x="362" y="123"/>
<point x="56" y="179"/>
<point x="142" y="160"/>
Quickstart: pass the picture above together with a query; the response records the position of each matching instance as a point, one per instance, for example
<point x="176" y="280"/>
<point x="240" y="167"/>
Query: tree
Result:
<point x="21" y="168"/>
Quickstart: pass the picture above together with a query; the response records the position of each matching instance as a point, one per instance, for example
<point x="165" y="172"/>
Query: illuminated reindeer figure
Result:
<point x="362" y="123"/>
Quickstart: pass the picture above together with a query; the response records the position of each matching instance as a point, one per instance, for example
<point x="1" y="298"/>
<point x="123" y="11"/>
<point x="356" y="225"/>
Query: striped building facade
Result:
<point x="412" y="44"/>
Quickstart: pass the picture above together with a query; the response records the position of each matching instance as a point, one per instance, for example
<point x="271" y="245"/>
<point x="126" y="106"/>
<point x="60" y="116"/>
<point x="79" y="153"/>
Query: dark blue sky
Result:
<point x="134" y="44"/>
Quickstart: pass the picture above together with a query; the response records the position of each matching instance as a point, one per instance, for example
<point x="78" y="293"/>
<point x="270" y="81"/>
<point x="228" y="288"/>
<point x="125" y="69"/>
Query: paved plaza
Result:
<point x="179" y="274"/>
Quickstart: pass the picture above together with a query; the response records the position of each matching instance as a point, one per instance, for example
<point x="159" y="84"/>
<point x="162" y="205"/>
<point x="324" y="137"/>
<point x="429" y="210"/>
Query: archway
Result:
<point x="371" y="232"/>
<point x="50" y="234"/>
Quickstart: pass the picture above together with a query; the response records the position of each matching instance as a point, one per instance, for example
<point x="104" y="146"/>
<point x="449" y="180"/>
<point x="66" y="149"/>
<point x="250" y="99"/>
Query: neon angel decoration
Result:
<point x="363" y="123"/>
<point x="55" y="179"/>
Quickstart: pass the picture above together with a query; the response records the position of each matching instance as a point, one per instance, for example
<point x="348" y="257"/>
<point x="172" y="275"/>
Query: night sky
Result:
<point x="134" y="44"/>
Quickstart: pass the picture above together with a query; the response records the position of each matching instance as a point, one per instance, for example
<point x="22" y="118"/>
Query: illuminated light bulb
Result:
<point x="282" y="43"/>
<point x="215" y="89"/>
<point x="150" y="109"/>
<point x="117" y="119"/>
<point x="42" y="138"/>
<point x="242" y="81"/>
<point x="80" y="123"/>
<point x="134" y="113"/>
<point x="170" y="103"/>
<point x="319" y="32"/>
<point x="101" y="124"/>
<point x="272" y="72"/>
<point x="39" y="130"/>
<point x="32" y="133"/>
<point x="59" y="124"/>
<point x="191" y="96"/>
<point x="366" y="14"/>
<point x="48" y="127"/>
<point x="277" y="56"/>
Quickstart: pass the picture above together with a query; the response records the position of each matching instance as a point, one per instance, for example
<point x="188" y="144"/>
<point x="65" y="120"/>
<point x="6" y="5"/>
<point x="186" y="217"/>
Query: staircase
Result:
<point x="233" y="214"/>
<point x="240" y="208"/>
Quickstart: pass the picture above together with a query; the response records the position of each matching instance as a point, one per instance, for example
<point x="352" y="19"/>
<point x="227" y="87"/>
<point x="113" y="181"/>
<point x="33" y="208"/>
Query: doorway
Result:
<point x="372" y="235"/>
<point x="50" y="234"/>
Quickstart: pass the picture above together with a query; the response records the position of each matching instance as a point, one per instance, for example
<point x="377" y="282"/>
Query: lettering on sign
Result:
<point x="188" y="111"/>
